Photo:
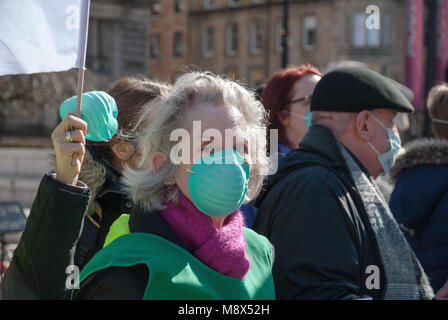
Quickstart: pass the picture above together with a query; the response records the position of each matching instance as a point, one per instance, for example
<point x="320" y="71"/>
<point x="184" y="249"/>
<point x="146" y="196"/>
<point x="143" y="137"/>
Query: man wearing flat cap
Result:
<point x="333" y="232"/>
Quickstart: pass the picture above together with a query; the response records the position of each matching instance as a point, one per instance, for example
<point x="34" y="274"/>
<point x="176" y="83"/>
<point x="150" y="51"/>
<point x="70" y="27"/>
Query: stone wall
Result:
<point x="21" y="170"/>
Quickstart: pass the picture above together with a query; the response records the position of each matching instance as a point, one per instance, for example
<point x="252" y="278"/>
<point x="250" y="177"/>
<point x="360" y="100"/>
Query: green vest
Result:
<point x="175" y="274"/>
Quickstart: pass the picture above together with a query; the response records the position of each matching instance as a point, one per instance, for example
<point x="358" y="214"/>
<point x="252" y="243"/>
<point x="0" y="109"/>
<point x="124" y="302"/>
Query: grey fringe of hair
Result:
<point x="146" y="187"/>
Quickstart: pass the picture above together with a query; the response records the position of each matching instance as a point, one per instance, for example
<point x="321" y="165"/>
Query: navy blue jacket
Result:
<point x="419" y="203"/>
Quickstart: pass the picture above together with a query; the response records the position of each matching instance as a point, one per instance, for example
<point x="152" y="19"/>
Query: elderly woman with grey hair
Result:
<point x="205" y="155"/>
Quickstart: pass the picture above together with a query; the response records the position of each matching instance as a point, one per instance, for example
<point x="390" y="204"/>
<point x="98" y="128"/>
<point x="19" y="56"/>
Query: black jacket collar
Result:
<point x="153" y="222"/>
<point x="321" y="141"/>
<point x="318" y="147"/>
<point x="113" y="181"/>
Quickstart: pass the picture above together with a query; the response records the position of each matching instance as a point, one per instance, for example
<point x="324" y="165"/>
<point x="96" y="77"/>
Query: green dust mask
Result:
<point x="99" y="110"/>
<point x="218" y="183"/>
<point x="306" y="117"/>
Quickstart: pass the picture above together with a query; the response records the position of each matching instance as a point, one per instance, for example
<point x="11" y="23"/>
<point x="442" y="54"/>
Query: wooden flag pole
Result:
<point x="81" y="73"/>
<point x="81" y="61"/>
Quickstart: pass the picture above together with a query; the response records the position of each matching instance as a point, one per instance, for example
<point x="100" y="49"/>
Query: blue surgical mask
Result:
<point x="219" y="182"/>
<point x="307" y="117"/>
<point x="387" y="159"/>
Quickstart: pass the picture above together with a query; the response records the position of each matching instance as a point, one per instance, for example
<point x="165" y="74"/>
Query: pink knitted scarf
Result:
<point x="222" y="249"/>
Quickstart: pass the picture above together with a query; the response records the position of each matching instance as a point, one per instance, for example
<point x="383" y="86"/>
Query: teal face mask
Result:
<point x="307" y="118"/>
<point x="99" y="110"/>
<point x="218" y="183"/>
<point x="387" y="159"/>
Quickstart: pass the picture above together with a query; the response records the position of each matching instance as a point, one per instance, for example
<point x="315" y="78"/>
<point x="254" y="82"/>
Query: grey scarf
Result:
<point x="405" y="278"/>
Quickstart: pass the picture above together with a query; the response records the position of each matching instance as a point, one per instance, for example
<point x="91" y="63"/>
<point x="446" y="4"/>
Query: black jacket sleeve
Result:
<point x="115" y="283"/>
<point x="316" y="256"/>
<point x="37" y="270"/>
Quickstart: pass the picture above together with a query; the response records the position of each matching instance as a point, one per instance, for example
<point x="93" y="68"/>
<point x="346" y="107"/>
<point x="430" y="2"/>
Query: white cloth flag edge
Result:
<point x="35" y="37"/>
<point x="82" y="43"/>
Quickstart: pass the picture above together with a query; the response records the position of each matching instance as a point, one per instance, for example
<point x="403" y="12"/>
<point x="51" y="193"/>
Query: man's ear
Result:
<point x="158" y="160"/>
<point x="363" y="125"/>
<point x="123" y="150"/>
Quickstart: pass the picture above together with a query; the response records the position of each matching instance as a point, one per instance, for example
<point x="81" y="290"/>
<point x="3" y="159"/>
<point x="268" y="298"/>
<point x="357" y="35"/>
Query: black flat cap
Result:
<point x="354" y="89"/>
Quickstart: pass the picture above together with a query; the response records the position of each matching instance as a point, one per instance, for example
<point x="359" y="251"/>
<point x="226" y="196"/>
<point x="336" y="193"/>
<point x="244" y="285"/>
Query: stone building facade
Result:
<point x="243" y="37"/>
<point x="168" y="39"/>
<point x="118" y="37"/>
<point x="239" y="38"/>
<point x="117" y="46"/>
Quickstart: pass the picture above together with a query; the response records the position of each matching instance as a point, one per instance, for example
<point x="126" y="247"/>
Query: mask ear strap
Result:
<point x="371" y="145"/>
<point x="297" y="115"/>
<point x="188" y="170"/>
<point x="377" y="120"/>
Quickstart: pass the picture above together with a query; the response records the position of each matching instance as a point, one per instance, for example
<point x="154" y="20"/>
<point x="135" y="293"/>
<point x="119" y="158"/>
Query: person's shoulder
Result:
<point x="426" y="154"/>
<point x="299" y="182"/>
<point x="433" y="176"/>
<point x="259" y="245"/>
<point x="127" y="283"/>
<point x="254" y="237"/>
<point x="312" y="177"/>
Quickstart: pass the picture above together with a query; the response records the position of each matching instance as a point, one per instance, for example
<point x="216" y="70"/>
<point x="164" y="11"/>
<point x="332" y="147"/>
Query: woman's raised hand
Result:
<point x="69" y="145"/>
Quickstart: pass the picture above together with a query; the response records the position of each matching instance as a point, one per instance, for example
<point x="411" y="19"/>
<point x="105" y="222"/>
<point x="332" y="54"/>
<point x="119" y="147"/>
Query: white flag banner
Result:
<point x="42" y="35"/>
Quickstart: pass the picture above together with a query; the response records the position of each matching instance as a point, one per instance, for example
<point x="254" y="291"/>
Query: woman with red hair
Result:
<point x="287" y="97"/>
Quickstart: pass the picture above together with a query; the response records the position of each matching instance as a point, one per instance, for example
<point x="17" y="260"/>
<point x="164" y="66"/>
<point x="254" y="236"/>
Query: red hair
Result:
<point x="277" y="93"/>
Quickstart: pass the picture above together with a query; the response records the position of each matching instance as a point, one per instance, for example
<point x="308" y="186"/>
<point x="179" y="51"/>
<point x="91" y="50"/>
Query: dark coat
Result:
<point x="64" y="228"/>
<point x="110" y="201"/>
<point x="419" y="203"/>
<point x="313" y="215"/>
<point x="118" y="283"/>
<point x="37" y="269"/>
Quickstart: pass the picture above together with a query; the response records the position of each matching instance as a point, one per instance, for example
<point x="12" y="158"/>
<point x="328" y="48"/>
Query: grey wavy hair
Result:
<point x="147" y="188"/>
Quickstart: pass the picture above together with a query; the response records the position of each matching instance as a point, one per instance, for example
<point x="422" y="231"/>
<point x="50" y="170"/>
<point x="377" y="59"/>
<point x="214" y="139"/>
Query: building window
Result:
<point x="178" y="44"/>
<point x="361" y="36"/>
<point x="178" y="6"/>
<point x="156" y="7"/>
<point x="385" y="29"/>
<point x="100" y="50"/>
<point x="256" y="36"/>
<point x="209" y="4"/>
<point x="385" y="70"/>
<point x="345" y="33"/>
<point x="373" y="38"/>
<point x="279" y="32"/>
<point x="358" y="31"/>
<point x="154" y="45"/>
<point x="255" y="78"/>
<point x="233" y="3"/>
<point x="309" y="32"/>
<point x="231" y="39"/>
<point x="208" y="41"/>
